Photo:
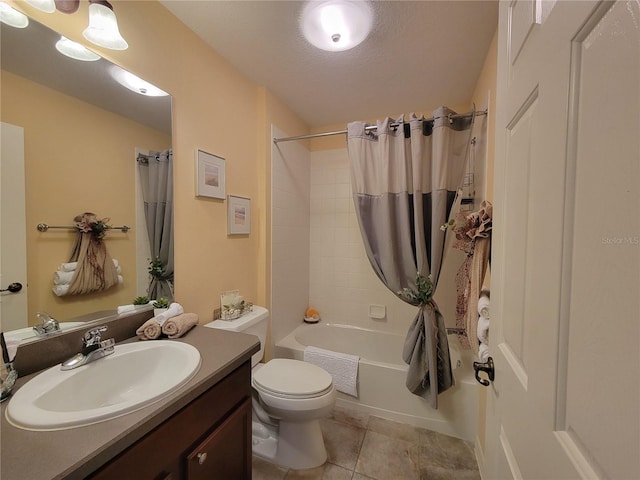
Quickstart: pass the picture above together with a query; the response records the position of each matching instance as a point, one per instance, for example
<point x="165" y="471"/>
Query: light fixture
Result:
<point x="336" y="25"/>
<point x="75" y="50"/>
<point x="136" y="84"/>
<point x="103" y="26"/>
<point x="12" y="17"/>
<point x="47" y="6"/>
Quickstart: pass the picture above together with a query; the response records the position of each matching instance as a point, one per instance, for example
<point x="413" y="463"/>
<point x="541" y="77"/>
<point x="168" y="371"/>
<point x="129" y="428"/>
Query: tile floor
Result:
<point x="365" y="447"/>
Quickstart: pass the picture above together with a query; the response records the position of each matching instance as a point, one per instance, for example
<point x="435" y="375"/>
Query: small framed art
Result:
<point x="210" y="175"/>
<point x="238" y="215"/>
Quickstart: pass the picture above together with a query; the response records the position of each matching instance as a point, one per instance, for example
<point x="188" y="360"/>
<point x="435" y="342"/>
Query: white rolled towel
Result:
<point x="62" y="277"/>
<point x="60" y="290"/>
<point x="484" y="305"/>
<point x="126" y="308"/>
<point x="68" y="267"/>
<point x="120" y="279"/>
<point x="174" y="310"/>
<point x="483" y="330"/>
<point x="483" y="353"/>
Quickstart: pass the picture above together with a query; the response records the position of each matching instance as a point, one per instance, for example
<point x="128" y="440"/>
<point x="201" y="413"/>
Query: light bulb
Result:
<point x="103" y="27"/>
<point x="75" y="50"/>
<point x="12" y="17"/>
<point x="336" y="25"/>
<point x="47" y="6"/>
<point x="135" y="83"/>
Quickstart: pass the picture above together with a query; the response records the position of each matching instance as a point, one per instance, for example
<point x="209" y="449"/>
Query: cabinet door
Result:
<point x="226" y="453"/>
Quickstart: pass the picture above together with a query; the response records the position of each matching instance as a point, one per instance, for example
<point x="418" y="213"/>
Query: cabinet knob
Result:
<point x="202" y="457"/>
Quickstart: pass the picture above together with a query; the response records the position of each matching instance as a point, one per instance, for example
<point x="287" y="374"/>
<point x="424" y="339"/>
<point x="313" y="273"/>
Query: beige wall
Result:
<point x="97" y="175"/>
<point x="484" y="96"/>
<point x="217" y="109"/>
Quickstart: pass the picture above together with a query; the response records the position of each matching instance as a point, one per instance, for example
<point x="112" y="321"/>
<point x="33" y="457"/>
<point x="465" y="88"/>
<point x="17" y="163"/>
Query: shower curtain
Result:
<point x="156" y="174"/>
<point x="404" y="181"/>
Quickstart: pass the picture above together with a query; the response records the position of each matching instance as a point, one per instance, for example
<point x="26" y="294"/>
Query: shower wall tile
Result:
<point x="342" y="282"/>
<point x="290" y="236"/>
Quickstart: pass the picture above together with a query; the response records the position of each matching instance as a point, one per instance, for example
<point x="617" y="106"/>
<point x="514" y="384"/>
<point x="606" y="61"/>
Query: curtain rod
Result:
<point x="371" y="127"/>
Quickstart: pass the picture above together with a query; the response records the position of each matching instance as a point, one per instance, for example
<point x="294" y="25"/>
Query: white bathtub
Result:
<point x="381" y="377"/>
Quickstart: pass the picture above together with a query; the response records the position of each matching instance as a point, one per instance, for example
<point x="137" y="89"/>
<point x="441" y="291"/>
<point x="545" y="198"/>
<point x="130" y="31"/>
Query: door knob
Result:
<point x="487" y="368"/>
<point x="12" y="288"/>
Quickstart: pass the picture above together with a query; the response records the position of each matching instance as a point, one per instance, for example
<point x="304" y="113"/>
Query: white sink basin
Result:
<point x="134" y="376"/>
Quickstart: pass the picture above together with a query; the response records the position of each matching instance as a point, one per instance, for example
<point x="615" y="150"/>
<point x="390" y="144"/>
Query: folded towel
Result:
<point x="62" y="278"/>
<point x="68" y="267"/>
<point x="483" y="352"/>
<point x="60" y="290"/>
<point x="149" y="330"/>
<point x="484" y="307"/>
<point x="126" y="308"/>
<point x="174" y="310"/>
<point x="177" y="326"/>
<point x="483" y="330"/>
<point x="342" y="367"/>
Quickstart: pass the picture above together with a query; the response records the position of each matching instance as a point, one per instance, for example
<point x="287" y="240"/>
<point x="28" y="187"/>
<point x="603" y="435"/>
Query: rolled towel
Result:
<point x="120" y="279"/>
<point x="174" y="310"/>
<point x="62" y="277"/>
<point x="483" y="352"/>
<point x="484" y="307"/>
<point x="68" y="267"/>
<point x="483" y="330"/>
<point x="126" y="308"/>
<point x="177" y="326"/>
<point x="60" y="290"/>
<point x="149" y="330"/>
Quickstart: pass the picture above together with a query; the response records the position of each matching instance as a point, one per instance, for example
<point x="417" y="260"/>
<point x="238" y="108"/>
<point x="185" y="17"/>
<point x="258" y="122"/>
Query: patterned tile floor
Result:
<point x="365" y="447"/>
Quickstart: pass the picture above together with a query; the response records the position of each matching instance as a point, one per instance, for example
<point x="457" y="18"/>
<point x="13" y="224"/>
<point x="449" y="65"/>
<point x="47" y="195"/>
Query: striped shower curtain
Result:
<point x="405" y="176"/>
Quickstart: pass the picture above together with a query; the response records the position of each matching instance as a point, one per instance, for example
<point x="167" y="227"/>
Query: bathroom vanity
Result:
<point x="203" y="430"/>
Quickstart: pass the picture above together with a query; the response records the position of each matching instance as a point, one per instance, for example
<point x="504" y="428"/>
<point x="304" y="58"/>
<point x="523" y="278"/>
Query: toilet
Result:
<point x="289" y="399"/>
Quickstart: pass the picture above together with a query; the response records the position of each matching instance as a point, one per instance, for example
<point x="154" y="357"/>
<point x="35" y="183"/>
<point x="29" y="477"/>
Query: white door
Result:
<point x="13" y="244"/>
<point x="565" y="325"/>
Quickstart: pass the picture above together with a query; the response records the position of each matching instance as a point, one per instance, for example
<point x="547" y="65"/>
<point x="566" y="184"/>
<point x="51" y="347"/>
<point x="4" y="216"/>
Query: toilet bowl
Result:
<point x="290" y="397"/>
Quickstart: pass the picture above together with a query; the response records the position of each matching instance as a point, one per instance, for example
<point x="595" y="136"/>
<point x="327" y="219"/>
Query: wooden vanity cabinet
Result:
<point x="210" y="438"/>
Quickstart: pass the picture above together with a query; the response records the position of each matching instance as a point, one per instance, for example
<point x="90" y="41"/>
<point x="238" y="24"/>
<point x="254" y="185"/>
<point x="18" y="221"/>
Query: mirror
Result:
<point x="81" y="133"/>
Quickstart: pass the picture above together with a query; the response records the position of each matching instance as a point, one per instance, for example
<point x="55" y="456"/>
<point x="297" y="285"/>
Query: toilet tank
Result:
<point x="253" y="323"/>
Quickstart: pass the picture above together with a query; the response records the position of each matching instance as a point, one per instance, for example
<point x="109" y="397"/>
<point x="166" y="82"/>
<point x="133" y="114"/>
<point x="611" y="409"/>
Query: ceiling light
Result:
<point x="103" y="26"/>
<point x="136" y="84"/>
<point x="75" y="50"/>
<point x="12" y="17"/>
<point x="336" y="25"/>
<point x="47" y="6"/>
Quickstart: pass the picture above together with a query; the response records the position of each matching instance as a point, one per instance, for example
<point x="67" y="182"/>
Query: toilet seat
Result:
<point x="294" y="379"/>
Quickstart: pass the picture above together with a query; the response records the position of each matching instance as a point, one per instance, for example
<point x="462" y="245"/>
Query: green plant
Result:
<point x="422" y="294"/>
<point x="157" y="270"/>
<point x="161" y="303"/>
<point x="141" y="300"/>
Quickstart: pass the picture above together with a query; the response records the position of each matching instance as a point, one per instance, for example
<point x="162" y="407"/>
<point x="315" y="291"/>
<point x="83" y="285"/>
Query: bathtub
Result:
<point x="381" y="377"/>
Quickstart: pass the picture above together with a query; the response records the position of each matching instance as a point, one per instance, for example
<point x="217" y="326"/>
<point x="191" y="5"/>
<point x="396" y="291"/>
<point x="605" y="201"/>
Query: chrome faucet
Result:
<point x="48" y="325"/>
<point x="93" y="348"/>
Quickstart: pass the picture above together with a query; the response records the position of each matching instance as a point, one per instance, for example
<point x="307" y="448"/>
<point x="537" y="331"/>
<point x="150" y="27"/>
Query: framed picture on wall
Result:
<point x="238" y="215"/>
<point x="210" y="175"/>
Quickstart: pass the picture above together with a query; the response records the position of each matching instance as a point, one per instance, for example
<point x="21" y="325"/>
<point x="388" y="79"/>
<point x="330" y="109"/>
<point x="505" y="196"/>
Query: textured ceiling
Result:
<point x="420" y="54"/>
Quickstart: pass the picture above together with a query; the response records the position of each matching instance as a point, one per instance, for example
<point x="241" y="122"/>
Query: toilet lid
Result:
<point x="292" y="378"/>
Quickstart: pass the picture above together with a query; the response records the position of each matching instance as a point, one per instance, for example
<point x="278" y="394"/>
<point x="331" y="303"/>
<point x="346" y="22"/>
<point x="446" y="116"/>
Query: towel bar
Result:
<point x="456" y="331"/>
<point x="43" y="227"/>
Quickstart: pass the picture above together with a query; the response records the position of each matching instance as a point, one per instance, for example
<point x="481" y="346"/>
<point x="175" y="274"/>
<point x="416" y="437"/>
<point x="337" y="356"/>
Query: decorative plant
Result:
<point x="423" y="293"/>
<point x="141" y="300"/>
<point x="157" y="270"/>
<point x="161" y="302"/>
